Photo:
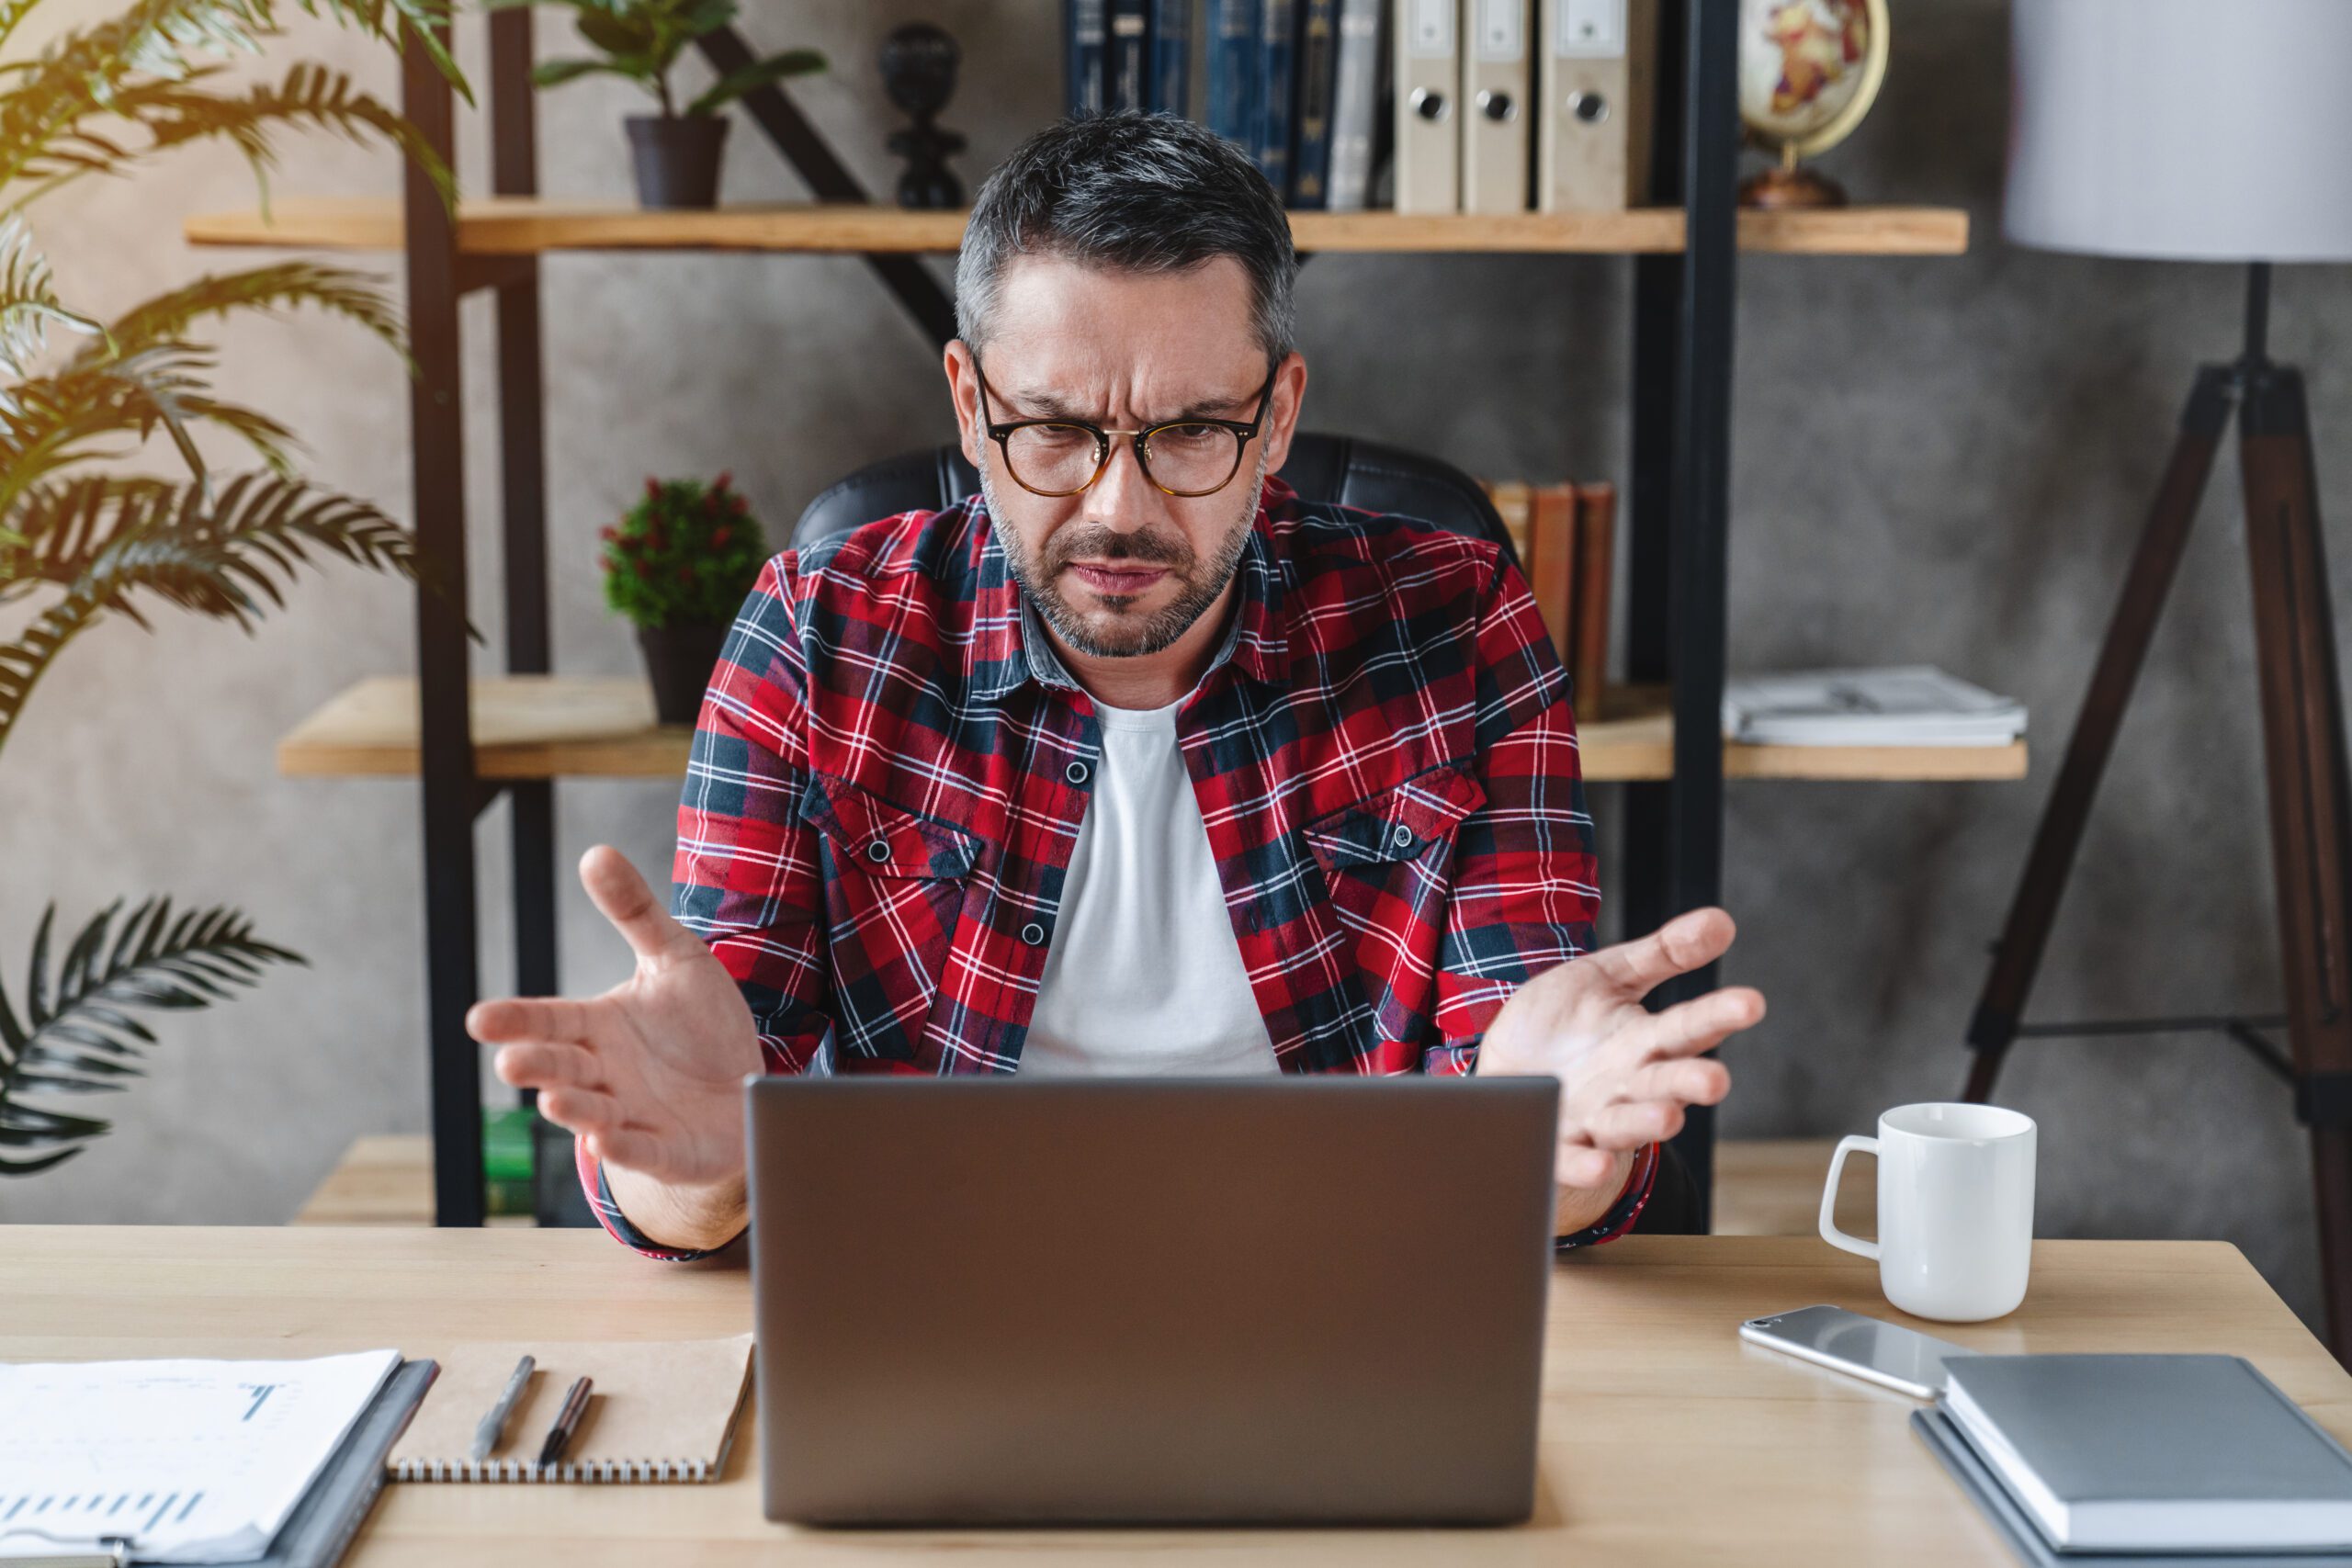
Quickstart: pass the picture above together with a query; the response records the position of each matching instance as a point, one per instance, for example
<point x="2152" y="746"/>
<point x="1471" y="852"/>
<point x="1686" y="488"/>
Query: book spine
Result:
<point x="1082" y="37"/>
<point x="1125" y="65"/>
<point x="1596" y="568"/>
<point x="1354" y="101"/>
<point x="1552" y="574"/>
<point x="1232" y="70"/>
<point x="1277" y="44"/>
<point x="1318" y="59"/>
<point x="1171" y="56"/>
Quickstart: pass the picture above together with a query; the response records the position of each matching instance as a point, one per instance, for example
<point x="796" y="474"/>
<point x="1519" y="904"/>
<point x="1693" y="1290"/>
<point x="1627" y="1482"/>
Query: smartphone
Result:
<point x="1883" y="1353"/>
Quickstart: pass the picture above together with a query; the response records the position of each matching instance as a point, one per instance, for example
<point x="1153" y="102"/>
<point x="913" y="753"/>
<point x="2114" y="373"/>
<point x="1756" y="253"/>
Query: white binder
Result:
<point x="1597" y="65"/>
<point x="1429" y="142"/>
<point x="1495" y="106"/>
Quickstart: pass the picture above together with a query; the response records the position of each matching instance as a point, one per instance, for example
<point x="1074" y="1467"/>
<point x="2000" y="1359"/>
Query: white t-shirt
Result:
<point x="1144" y="974"/>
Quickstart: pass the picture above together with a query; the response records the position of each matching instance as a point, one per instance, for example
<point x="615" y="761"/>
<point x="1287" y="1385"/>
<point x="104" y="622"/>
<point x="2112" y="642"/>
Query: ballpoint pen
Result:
<point x="566" y="1420"/>
<point x="486" y="1436"/>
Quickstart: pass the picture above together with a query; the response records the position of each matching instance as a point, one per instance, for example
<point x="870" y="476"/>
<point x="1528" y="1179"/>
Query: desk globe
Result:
<point x="1808" y="72"/>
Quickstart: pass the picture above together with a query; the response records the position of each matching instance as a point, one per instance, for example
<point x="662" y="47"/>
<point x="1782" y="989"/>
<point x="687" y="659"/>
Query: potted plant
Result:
<point x="679" y="565"/>
<point x="86" y="539"/>
<point x="675" y="152"/>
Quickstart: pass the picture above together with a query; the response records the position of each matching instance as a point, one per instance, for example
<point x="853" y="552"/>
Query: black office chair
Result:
<point x="1320" y="468"/>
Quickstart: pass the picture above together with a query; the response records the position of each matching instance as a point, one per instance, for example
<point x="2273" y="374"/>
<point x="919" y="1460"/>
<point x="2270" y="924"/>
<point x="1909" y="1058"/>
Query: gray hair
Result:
<point x="1138" y="192"/>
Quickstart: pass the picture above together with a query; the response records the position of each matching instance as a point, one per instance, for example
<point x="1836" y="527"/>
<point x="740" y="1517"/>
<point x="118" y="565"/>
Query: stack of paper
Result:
<point x="1911" y="704"/>
<point x="187" y="1462"/>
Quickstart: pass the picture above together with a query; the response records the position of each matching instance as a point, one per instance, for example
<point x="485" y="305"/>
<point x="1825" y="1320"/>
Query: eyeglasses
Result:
<point x="1063" y="456"/>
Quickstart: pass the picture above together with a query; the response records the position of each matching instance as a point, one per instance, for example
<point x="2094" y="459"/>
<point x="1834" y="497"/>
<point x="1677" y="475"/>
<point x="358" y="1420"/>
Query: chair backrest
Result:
<point x="1320" y="468"/>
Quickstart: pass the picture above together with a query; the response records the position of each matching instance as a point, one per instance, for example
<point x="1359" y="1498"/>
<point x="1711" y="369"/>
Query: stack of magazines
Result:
<point x="2143" y="1462"/>
<point x="1910" y="704"/>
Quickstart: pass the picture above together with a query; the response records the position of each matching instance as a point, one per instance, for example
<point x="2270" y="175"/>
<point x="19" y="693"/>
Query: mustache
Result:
<point x="1092" y="541"/>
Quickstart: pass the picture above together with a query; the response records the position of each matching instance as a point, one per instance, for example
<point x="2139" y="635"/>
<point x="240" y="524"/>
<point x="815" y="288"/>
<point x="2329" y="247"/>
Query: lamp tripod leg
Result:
<point x="2311" y="800"/>
<point x="1992" y="1028"/>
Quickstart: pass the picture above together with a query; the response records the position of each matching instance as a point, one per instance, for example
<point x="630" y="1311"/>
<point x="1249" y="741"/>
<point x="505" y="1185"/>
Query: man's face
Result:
<point x="1123" y="568"/>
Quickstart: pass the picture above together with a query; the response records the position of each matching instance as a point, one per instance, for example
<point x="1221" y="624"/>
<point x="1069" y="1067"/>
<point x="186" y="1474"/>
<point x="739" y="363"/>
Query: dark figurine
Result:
<point x="919" y="63"/>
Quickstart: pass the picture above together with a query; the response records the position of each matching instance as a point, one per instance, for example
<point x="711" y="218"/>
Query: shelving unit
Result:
<point x="467" y="741"/>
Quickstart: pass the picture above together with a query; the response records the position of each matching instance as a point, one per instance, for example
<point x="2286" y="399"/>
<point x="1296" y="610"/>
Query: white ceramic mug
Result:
<point x="1955" y="1208"/>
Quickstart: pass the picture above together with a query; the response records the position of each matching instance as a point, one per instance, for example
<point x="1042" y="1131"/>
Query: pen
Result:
<point x="493" y="1424"/>
<point x="566" y="1420"/>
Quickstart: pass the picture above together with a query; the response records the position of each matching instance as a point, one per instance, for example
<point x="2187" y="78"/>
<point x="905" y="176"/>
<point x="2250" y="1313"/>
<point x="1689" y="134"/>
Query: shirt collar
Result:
<point x="1009" y="641"/>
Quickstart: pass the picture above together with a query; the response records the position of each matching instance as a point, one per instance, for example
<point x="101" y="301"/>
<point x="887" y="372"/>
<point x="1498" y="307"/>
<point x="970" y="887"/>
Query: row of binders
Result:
<point x="1431" y="105"/>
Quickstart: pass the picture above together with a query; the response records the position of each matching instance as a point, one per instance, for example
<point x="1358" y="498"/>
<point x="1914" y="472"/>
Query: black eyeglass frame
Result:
<point x="1243" y="432"/>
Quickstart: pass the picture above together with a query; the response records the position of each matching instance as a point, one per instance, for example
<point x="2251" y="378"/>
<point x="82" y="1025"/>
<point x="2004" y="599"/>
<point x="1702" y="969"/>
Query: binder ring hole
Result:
<point x="1428" y="105"/>
<point x="1590" y="107"/>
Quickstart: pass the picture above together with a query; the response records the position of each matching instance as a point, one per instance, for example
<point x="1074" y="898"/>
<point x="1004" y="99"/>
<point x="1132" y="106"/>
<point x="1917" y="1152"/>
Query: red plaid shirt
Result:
<point x="890" y="766"/>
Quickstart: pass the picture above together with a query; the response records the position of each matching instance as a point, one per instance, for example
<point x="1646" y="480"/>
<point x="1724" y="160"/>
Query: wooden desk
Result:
<point x="1665" y="1439"/>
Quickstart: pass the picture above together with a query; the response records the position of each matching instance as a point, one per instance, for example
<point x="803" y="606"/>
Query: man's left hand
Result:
<point x="1627" y="1074"/>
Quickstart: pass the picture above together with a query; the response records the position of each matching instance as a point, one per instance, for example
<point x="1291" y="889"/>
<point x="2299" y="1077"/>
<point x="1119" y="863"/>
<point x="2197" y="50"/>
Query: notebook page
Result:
<point x="194" y="1461"/>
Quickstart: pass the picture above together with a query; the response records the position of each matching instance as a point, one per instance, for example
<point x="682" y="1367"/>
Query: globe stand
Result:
<point x="1790" y="185"/>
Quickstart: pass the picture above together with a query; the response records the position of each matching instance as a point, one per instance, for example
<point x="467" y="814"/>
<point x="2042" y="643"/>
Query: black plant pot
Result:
<point x="676" y="158"/>
<point x="679" y="660"/>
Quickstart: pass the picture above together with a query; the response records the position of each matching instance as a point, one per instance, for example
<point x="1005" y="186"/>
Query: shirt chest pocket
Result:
<point x="895" y="882"/>
<point x="1402" y="823"/>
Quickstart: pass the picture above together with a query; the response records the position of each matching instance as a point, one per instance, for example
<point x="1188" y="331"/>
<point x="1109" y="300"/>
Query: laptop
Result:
<point x="1173" y="1301"/>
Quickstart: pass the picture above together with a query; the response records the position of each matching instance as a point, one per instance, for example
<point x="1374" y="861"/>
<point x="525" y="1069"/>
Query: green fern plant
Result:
<point x="101" y="542"/>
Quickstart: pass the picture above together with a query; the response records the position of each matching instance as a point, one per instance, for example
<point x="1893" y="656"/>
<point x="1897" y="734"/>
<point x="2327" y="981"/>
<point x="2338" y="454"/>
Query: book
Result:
<point x="1596" y="579"/>
<point x="1933" y="1427"/>
<point x="1911" y="704"/>
<point x="1511" y="500"/>
<point x="1316" y="81"/>
<point x="662" y="1410"/>
<point x="1355" y="103"/>
<point x="1170" y="36"/>
<point x="1084" y="24"/>
<point x="1230" y="69"/>
<point x="1126" y="63"/>
<point x="2154" y="1452"/>
<point x="1551" y="571"/>
<point x="1277" y="45"/>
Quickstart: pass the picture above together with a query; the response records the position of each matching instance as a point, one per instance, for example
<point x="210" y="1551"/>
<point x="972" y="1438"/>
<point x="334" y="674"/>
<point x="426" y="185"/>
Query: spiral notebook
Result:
<point x="661" y="1410"/>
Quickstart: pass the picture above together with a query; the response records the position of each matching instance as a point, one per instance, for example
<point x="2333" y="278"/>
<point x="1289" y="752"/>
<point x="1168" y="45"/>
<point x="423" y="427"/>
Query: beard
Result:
<point x="1118" y="629"/>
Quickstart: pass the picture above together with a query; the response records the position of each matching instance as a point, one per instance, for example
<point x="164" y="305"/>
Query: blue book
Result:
<point x="1082" y="33"/>
<point x="1172" y="57"/>
<point x="1125" y="62"/>
<point x="1276" y="49"/>
<point x="1317" y="84"/>
<point x="1232" y="72"/>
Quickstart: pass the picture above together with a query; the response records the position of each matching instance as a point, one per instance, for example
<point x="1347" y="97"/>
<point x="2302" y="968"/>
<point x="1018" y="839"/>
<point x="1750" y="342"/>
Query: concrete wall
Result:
<point x="1935" y="461"/>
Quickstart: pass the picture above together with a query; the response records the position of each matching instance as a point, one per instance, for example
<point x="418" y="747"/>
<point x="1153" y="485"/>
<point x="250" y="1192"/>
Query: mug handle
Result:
<point x="1851" y="1144"/>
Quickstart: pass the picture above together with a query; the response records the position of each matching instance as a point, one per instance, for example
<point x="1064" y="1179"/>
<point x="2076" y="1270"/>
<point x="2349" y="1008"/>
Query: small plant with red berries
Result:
<point x="684" y="554"/>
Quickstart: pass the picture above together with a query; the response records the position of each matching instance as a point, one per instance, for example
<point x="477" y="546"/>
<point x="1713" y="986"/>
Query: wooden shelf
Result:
<point x="537" y="727"/>
<point x="531" y="225"/>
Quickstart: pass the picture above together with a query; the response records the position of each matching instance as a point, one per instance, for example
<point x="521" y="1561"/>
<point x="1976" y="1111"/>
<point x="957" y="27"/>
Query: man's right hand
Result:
<point x="651" y="1074"/>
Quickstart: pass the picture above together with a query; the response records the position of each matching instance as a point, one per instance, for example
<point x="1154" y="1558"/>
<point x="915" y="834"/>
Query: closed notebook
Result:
<point x="660" y="1410"/>
<point x="2153" y="1453"/>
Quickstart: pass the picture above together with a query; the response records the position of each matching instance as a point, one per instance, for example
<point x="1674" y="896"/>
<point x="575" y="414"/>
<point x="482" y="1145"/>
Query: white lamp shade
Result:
<point x="2190" y="130"/>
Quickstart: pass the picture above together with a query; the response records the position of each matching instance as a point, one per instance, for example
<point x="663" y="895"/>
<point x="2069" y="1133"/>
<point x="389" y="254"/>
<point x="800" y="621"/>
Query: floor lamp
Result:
<point x="2172" y="129"/>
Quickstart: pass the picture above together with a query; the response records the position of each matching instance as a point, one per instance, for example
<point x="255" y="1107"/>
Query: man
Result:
<point x="1134" y="764"/>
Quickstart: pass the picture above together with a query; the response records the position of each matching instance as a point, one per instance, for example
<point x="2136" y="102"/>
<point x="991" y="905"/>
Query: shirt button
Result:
<point x="1033" y="934"/>
<point x="1075" y="772"/>
<point x="1402" y="836"/>
<point x="878" y="851"/>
